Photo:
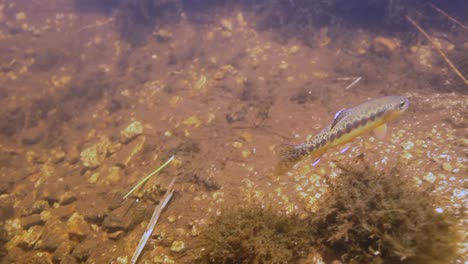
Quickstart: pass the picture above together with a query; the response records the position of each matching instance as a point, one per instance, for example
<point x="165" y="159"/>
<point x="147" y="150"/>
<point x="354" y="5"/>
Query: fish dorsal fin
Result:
<point x="339" y="116"/>
<point x="380" y="131"/>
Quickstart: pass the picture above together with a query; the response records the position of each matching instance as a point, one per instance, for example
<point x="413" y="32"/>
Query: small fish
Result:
<point x="346" y="126"/>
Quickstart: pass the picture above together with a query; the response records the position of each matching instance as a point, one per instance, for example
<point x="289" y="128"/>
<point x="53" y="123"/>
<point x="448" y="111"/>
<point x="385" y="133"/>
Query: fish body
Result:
<point x="346" y="126"/>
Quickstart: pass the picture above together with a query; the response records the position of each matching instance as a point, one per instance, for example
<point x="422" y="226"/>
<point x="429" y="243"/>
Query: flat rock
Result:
<point x="125" y="218"/>
<point x="64" y="212"/>
<point x="31" y="220"/>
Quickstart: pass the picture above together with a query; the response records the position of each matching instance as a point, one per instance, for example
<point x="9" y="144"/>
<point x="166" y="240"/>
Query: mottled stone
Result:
<point x="77" y="227"/>
<point x="93" y="156"/>
<point x="26" y="239"/>
<point x="12" y="227"/>
<point x="131" y="131"/>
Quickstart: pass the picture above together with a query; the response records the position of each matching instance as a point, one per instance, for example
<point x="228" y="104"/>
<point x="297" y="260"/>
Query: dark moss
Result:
<point x="381" y="217"/>
<point x="252" y="234"/>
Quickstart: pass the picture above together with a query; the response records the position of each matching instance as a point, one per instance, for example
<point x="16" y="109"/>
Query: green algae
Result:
<point x="254" y="235"/>
<point x="382" y="217"/>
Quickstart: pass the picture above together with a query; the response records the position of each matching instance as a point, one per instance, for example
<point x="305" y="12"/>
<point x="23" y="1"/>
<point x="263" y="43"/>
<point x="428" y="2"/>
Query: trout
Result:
<point x="347" y="125"/>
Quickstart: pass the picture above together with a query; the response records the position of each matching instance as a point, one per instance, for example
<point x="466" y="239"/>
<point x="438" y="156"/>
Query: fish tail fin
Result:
<point x="289" y="155"/>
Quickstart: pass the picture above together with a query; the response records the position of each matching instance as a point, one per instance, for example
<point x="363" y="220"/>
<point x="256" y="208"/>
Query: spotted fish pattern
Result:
<point x="346" y="126"/>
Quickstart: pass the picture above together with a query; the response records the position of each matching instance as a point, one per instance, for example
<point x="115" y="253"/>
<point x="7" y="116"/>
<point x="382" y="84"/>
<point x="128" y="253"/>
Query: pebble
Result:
<point x="122" y="260"/>
<point x="114" y="176"/>
<point x="171" y="218"/>
<point x="27" y="239"/>
<point x="195" y="231"/>
<point x="31" y="220"/>
<point x="77" y="226"/>
<point x="94" y="155"/>
<point x="20" y="16"/>
<point x="407" y="145"/>
<point x="131" y="131"/>
<point x="447" y="166"/>
<point x="66" y="198"/>
<point x="177" y="246"/>
<point x="407" y="155"/>
<point x="430" y="177"/>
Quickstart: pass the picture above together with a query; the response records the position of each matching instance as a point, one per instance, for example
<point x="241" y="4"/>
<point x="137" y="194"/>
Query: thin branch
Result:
<point x="353" y="83"/>
<point x="149" y="176"/>
<point x="449" y="17"/>
<point x="447" y="60"/>
<point x="154" y="219"/>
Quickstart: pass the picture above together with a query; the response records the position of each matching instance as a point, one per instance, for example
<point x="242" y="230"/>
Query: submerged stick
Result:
<point x="149" y="176"/>
<point x="353" y="83"/>
<point x="447" y="60"/>
<point x="154" y="219"/>
<point x="448" y="16"/>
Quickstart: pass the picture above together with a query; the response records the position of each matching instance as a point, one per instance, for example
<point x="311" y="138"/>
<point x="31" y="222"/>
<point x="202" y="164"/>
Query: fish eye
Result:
<point x="402" y="104"/>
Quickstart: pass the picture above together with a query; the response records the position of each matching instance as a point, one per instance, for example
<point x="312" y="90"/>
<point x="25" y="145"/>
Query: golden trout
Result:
<point x="346" y="126"/>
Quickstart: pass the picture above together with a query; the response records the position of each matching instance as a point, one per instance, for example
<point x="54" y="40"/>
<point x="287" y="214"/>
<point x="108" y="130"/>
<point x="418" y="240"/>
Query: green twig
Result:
<point x="149" y="176"/>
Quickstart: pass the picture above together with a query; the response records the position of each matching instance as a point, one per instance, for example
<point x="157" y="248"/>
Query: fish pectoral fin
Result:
<point x="344" y="149"/>
<point x="316" y="161"/>
<point x="380" y="131"/>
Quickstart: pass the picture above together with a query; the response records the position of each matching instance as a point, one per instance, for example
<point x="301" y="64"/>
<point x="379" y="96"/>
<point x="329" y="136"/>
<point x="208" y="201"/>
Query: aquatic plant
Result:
<point x="381" y="217"/>
<point x="254" y="235"/>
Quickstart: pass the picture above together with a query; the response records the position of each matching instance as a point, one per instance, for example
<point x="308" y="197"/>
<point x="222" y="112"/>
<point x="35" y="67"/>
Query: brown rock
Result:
<point x="94" y="213"/>
<point x="113" y="176"/>
<point x="64" y="212"/>
<point x="129" y="151"/>
<point x="39" y="206"/>
<point x="26" y="239"/>
<point x="66" y="198"/>
<point x="124" y="218"/>
<point x="33" y="135"/>
<point x="83" y="250"/>
<point x="31" y="220"/>
<point x="62" y="253"/>
<point x="77" y="227"/>
<point x="54" y="234"/>
<point x="116" y="235"/>
<point x="133" y="130"/>
<point x="93" y="156"/>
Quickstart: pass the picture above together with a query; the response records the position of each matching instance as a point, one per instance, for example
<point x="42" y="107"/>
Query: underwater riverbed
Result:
<point x="95" y="96"/>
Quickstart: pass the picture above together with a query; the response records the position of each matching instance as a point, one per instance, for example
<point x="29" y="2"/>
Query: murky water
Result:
<point x="97" y="95"/>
